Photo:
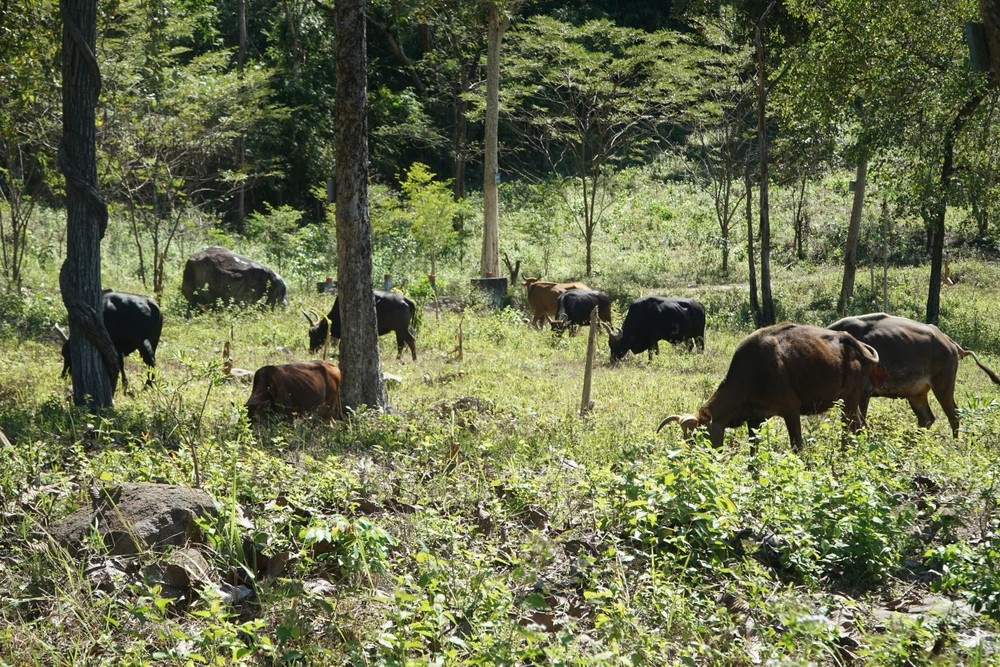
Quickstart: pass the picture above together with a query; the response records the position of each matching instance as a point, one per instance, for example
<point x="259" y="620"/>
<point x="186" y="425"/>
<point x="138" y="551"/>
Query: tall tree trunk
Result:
<point x="989" y="11"/>
<point x="941" y="206"/>
<point x="490" y="263"/>
<point x="94" y="360"/>
<point x="767" y="315"/>
<point x="241" y="58"/>
<point x="853" y="230"/>
<point x="751" y="265"/>
<point x="359" y="352"/>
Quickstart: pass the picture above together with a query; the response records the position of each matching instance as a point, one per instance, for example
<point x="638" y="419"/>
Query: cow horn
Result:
<point x="62" y="333"/>
<point x="688" y="422"/>
<point x="311" y="323"/>
<point x="613" y="334"/>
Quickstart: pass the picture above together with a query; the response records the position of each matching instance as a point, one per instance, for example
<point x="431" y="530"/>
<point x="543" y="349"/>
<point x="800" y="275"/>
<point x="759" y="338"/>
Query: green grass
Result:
<point x="551" y="538"/>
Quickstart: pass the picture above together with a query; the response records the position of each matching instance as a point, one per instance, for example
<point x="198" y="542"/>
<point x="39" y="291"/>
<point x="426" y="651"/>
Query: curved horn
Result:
<point x="311" y="323"/>
<point x="613" y="334"/>
<point x="688" y="422"/>
<point x="62" y="332"/>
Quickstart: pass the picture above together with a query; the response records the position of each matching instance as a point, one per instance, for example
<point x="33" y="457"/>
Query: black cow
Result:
<point x="134" y="323"/>
<point x="573" y="309"/>
<point x="654" y="318"/>
<point x="393" y="311"/>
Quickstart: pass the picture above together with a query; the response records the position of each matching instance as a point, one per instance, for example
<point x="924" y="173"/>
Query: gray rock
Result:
<point x="135" y="517"/>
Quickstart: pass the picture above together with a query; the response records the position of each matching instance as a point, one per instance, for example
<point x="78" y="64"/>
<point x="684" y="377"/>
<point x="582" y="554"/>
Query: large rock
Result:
<point x="135" y="517"/>
<point x="217" y="274"/>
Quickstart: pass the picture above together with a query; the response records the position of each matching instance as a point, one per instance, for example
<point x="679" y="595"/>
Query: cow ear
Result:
<point x="704" y="416"/>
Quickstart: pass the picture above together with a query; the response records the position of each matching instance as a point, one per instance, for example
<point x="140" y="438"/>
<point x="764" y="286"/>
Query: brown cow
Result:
<point x="295" y="388"/>
<point x="917" y="358"/>
<point x="543" y="297"/>
<point x="787" y="370"/>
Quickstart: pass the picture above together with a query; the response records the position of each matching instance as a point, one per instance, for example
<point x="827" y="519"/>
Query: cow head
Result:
<point x="690" y="422"/>
<point x="318" y="330"/>
<point x="616" y="341"/>
<point x="557" y="326"/>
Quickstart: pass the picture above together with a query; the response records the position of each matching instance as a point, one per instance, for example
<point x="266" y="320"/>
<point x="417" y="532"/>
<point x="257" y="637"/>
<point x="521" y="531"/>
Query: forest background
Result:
<point x="483" y="519"/>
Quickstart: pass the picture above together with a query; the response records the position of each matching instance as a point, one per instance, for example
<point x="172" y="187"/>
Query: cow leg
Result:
<point x="922" y="409"/>
<point x="411" y="342"/>
<point x="944" y="391"/>
<point x="700" y="342"/>
<point x="794" y="424"/>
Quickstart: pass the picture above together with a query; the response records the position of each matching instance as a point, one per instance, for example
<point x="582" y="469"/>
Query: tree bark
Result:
<point x="751" y="265"/>
<point x="853" y="230"/>
<point x="490" y="262"/>
<point x="989" y="11"/>
<point x="767" y="315"/>
<point x="941" y="206"/>
<point x="359" y="351"/>
<point x="94" y="360"/>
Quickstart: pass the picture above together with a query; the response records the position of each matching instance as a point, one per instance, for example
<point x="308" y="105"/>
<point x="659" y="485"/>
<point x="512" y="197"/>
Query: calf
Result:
<point x="295" y="388"/>
<point x="651" y="319"/>
<point x="573" y="309"/>
<point x="393" y="312"/>
<point x="787" y="370"/>
<point x="917" y="358"/>
<point x="134" y="322"/>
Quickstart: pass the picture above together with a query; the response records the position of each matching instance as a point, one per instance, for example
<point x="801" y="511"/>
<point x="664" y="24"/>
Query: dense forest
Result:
<point x="219" y="114"/>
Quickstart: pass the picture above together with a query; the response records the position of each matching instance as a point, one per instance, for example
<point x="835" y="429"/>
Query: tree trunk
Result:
<point x="751" y="265"/>
<point x="94" y="360"/>
<point x="989" y="11"/>
<point x="490" y="263"/>
<point x="853" y="229"/>
<point x="941" y="206"/>
<point x="359" y="352"/>
<point x="767" y="315"/>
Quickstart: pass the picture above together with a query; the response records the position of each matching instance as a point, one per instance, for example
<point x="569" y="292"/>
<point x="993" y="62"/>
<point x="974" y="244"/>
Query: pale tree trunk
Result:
<point x="490" y="263"/>
<point x="359" y="352"/>
<point x="751" y="265"/>
<point x="241" y="58"/>
<point x="853" y="230"/>
<point x="94" y="360"/>
<point x="767" y="315"/>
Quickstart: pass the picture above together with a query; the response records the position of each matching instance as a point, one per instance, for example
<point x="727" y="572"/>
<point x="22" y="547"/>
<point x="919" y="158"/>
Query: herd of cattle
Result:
<point x="786" y="370"/>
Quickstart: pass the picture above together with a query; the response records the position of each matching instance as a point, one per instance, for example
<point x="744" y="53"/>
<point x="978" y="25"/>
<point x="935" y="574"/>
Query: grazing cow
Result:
<point x="787" y="370"/>
<point x="134" y="322"/>
<point x="216" y="274"/>
<point x="573" y="309"/>
<point x="916" y="358"/>
<point x="654" y="318"/>
<point x="393" y="312"/>
<point x="295" y="388"/>
<point x="543" y="298"/>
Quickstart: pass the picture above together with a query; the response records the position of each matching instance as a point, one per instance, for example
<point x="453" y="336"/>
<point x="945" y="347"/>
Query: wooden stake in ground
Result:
<point x="586" y="404"/>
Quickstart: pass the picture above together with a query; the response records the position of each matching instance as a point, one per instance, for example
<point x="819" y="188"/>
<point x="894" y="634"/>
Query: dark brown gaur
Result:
<point x="787" y="370"/>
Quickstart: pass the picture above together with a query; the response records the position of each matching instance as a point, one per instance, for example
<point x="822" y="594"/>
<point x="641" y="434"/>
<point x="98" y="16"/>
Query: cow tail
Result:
<point x="964" y="353"/>
<point x="415" y="318"/>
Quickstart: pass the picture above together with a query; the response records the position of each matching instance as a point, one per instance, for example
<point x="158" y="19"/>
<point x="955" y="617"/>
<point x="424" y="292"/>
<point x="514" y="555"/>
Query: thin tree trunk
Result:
<point x="767" y="314"/>
<point x="241" y="58"/>
<point x="853" y="230"/>
<point x="989" y="11"/>
<point x="490" y="262"/>
<point x="94" y="360"/>
<point x="359" y="352"/>
<point x="751" y="265"/>
<point x="940" y="207"/>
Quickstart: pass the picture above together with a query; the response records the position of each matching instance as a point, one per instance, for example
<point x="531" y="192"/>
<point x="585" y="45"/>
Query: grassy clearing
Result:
<point x="482" y="521"/>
